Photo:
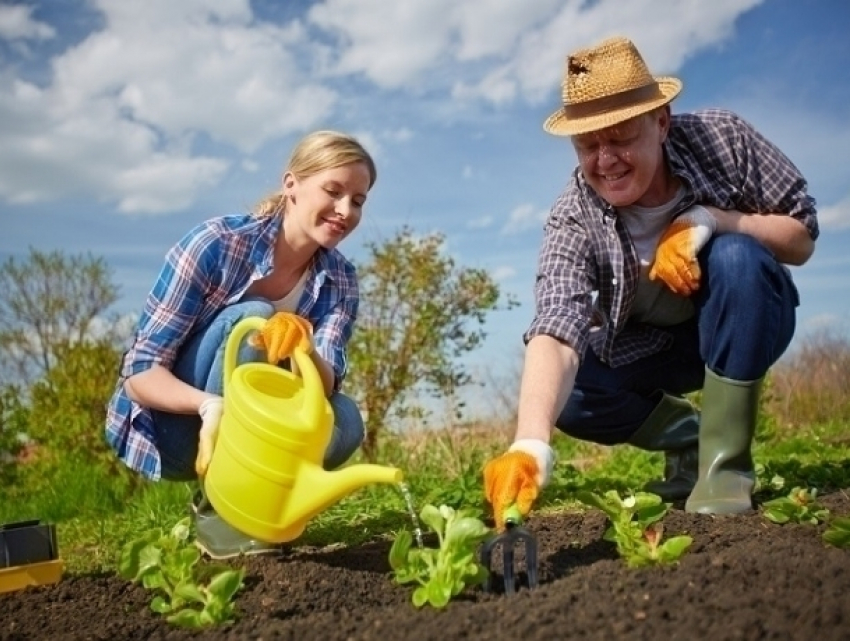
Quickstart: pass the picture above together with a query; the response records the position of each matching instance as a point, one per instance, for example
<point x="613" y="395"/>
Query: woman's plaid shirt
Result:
<point x="210" y="268"/>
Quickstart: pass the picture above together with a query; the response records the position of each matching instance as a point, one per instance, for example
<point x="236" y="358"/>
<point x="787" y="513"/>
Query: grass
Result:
<point x="95" y="514"/>
<point x="803" y="440"/>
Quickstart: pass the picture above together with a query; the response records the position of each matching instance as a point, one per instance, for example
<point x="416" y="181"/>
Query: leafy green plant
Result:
<point x="838" y="532"/>
<point x="191" y="596"/>
<point x="635" y="527"/>
<point x="442" y="572"/>
<point x="799" y="506"/>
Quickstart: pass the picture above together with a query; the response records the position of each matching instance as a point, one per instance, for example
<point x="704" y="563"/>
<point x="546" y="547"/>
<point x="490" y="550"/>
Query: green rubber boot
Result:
<point x="726" y="471"/>
<point x="218" y="539"/>
<point x="672" y="428"/>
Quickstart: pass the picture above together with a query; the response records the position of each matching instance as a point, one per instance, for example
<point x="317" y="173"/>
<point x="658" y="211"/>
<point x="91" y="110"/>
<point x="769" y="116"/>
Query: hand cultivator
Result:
<point x="514" y="535"/>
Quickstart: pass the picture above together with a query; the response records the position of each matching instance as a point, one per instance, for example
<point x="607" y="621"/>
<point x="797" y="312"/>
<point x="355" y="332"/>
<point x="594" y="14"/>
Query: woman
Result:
<point x="164" y="415"/>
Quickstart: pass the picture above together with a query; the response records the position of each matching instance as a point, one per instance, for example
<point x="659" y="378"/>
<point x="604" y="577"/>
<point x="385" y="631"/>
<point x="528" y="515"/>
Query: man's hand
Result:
<point x="676" y="256"/>
<point x="210" y="412"/>
<point x="281" y="334"/>
<point x="516" y="477"/>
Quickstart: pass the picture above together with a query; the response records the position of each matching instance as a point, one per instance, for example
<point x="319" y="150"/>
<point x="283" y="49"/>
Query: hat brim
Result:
<point x="559" y="125"/>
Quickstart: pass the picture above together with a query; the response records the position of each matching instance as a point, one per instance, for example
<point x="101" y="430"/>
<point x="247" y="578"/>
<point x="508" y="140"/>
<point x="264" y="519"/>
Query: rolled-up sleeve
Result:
<point x="771" y="183"/>
<point x="174" y="304"/>
<point x="563" y="289"/>
<point x="333" y="329"/>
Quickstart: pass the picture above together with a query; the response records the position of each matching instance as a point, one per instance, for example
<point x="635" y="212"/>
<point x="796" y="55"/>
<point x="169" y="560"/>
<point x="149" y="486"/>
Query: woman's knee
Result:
<point x="246" y="308"/>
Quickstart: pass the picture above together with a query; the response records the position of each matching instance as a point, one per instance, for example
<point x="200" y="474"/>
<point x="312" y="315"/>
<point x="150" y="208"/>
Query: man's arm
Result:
<point x="548" y="376"/>
<point x="786" y="237"/>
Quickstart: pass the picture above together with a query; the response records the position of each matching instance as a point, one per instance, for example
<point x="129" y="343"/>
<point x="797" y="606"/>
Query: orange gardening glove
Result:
<point x="281" y="334"/>
<point x="676" y="256"/>
<point x="516" y="477"/>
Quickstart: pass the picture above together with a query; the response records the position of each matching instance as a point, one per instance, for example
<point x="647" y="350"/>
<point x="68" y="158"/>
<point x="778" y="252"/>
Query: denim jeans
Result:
<point x="744" y="321"/>
<point x="200" y="363"/>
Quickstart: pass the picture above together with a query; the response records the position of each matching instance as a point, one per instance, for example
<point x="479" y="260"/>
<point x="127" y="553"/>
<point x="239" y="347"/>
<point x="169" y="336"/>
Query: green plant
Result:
<point x="168" y="564"/>
<point x="838" y="532"/>
<point x="799" y="506"/>
<point x="420" y="313"/>
<point x="635" y="527"/>
<point x="442" y="572"/>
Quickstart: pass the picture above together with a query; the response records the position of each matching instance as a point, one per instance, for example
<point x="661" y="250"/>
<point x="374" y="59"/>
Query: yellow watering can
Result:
<point x="265" y="477"/>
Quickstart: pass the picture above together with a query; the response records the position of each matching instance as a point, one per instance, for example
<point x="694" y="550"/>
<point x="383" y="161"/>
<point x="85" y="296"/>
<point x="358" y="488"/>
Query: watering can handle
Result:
<point x="231" y="349"/>
<point x="314" y="389"/>
<point x="314" y="401"/>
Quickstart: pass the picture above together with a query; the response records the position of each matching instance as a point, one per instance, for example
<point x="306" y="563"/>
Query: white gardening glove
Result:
<point x="543" y="454"/>
<point x="210" y="412"/>
<point x="516" y="477"/>
<point x="676" y="261"/>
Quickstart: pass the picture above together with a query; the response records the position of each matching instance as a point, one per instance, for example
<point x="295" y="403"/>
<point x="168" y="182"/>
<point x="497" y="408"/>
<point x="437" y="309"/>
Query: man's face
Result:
<point x="624" y="164"/>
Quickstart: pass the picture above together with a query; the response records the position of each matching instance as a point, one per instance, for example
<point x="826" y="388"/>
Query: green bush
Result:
<point x="13" y="431"/>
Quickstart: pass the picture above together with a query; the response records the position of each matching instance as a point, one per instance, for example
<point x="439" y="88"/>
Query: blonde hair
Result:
<point x="313" y="154"/>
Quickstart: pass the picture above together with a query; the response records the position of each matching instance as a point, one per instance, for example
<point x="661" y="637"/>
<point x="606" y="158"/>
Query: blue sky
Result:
<point x="125" y="122"/>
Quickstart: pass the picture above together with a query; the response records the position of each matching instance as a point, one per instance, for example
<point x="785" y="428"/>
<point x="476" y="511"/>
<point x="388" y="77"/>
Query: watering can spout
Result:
<point x="316" y="489"/>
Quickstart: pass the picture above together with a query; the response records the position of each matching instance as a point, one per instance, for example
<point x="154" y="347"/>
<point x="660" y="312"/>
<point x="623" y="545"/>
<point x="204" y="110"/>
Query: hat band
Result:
<point x="620" y="100"/>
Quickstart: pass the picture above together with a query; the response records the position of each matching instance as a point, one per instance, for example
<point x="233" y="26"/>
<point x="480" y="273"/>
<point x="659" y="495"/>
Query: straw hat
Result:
<point x="605" y="85"/>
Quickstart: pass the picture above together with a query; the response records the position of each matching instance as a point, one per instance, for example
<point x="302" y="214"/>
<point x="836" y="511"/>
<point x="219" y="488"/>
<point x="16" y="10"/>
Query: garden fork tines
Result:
<point x="515" y="535"/>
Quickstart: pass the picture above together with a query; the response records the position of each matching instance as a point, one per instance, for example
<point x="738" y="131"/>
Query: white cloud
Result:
<point x="127" y="113"/>
<point x="121" y="115"/>
<point x="523" y="218"/>
<point x="503" y="273"/>
<point x="482" y="222"/>
<point x="821" y="321"/>
<point x="402" y="134"/>
<point x="508" y="49"/>
<point x="836" y="216"/>
<point x="16" y="23"/>
<point x="534" y="66"/>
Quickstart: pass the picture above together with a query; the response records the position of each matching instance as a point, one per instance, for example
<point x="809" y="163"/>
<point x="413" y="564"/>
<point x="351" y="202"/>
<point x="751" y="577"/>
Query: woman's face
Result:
<point x="625" y="163"/>
<point x="327" y="206"/>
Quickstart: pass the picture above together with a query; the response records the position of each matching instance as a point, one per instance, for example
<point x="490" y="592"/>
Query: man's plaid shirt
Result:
<point x="722" y="161"/>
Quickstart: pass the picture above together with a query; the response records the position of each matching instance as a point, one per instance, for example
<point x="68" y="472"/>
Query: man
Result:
<point x="661" y="273"/>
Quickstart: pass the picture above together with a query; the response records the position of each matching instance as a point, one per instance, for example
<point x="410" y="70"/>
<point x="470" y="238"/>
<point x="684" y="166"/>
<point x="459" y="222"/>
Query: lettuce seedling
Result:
<point x="192" y="596"/>
<point x="800" y="506"/>
<point x="838" y="532"/>
<point x="635" y="527"/>
<point x="442" y="572"/>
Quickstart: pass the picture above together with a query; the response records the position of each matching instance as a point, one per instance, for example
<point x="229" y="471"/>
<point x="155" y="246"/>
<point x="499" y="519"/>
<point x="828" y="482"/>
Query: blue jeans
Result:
<point x="744" y="321"/>
<point x="200" y="363"/>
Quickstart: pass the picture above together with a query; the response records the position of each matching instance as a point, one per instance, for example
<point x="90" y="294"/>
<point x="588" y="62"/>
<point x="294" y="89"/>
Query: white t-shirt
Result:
<point x="654" y="303"/>
<point x="289" y="303"/>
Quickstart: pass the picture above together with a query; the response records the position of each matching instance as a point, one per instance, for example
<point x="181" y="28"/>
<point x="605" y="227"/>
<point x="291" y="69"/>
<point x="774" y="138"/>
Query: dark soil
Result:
<point x="743" y="578"/>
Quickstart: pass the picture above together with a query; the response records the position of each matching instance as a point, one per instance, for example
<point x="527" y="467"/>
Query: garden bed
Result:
<point x="743" y="578"/>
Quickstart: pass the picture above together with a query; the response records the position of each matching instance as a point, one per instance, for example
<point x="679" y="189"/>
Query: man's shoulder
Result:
<point x="710" y="119"/>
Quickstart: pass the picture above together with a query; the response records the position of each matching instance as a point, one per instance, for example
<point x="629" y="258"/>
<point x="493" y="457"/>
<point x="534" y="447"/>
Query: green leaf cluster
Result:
<point x="838" y="532"/>
<point x="190" y="595"/>
<point x="636" y="528"/>
<point x="799" y="506"/>
<point x="442" y="572"/>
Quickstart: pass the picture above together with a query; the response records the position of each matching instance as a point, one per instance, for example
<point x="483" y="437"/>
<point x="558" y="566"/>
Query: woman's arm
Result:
<point x="173" y="306"/>
<point x="157" y="388"/>
<point x="326" y="372"/>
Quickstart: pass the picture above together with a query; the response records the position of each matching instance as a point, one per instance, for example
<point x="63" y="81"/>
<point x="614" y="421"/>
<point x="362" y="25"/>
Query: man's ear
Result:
<point x="663" y="116"/>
